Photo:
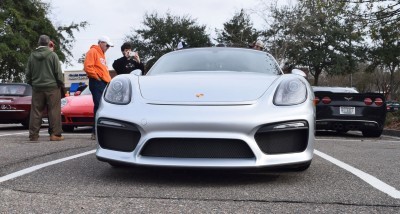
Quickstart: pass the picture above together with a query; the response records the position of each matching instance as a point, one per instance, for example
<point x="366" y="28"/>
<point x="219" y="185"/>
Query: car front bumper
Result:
<point x="242" y="136"/>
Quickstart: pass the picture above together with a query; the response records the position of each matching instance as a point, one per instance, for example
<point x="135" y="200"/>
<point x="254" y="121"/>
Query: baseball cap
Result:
<point x="107" y="40"/>
<point x="259" y="44"/>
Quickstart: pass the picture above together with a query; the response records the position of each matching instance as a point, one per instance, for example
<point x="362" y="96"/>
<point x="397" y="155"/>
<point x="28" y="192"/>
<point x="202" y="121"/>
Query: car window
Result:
<point x="12" y="90"/>
<point x="86" y="91"/>
<point x="216" y="60"/>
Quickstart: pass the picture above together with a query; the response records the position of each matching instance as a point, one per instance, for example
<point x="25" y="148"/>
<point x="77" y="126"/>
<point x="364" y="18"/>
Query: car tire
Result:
<point x="68" y="128"/>
<point x="372" y="133"/>
<point x="25" y="124"/>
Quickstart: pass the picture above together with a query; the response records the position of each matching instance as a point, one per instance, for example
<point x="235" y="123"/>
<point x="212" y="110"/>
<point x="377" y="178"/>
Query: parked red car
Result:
<point x="77" y="110"/>
<point x="15" y="103"/>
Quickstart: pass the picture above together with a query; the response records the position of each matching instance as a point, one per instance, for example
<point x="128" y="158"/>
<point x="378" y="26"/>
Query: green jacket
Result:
<point x="43" y="70"/>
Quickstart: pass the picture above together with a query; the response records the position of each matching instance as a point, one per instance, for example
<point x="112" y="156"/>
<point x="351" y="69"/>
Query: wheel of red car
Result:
<point x="68" y="128"/>
<point x="372" y="133"/>
<point x="25" y="124"/>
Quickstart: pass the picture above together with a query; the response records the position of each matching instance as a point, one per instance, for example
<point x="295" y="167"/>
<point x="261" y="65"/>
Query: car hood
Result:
<point x="205" y="86"/>
<point x="80" y="101"/>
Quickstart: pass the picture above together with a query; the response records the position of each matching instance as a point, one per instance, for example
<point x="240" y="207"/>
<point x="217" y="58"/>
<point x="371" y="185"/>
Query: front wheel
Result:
<point x="372" y="133"/>
<point x="25" y="124"/>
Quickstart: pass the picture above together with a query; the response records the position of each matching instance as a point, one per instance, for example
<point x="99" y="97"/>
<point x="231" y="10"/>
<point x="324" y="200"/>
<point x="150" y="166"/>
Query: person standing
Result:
<point x="43" y="73"/>
<point x="129" y="62"/>
<point x="96" y="69"/>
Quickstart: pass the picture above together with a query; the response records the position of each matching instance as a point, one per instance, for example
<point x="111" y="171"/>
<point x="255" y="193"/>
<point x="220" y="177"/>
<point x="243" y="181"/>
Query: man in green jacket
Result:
<point x="43" y="73"/>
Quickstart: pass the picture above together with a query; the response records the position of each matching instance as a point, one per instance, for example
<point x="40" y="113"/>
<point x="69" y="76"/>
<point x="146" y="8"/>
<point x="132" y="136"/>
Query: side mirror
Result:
<point x="299" y="72"/>
<point x="137" y="72"/>
<point x="77" y="93"/>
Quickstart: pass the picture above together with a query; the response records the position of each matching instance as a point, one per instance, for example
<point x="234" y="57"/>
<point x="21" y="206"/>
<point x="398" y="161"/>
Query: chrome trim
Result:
<point x="290" y="125"/>
<point x="111" y="123"/>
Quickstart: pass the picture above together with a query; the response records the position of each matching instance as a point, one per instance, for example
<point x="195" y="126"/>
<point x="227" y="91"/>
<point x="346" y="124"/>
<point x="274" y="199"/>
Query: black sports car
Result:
<point x="343" y="109"/>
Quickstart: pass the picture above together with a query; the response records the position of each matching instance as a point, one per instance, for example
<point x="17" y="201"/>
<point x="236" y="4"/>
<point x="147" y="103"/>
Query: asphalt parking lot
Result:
<point x="349" y="174"/>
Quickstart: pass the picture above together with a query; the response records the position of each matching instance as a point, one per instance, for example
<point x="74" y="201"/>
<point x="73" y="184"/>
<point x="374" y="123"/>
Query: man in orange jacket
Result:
<point x="95" y="66"/>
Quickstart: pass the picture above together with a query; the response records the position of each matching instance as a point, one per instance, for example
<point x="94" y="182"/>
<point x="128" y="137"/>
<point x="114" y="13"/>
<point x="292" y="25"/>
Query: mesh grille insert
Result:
<point x="196" y="148"/>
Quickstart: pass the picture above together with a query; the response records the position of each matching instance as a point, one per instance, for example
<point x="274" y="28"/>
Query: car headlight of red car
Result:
<point x="118" y="91"/>
<point x="290" y="92"/>
<point x="64" y="102"/>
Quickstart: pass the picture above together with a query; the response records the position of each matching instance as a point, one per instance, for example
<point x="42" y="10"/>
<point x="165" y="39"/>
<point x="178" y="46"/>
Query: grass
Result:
<point x="393" y="120"/>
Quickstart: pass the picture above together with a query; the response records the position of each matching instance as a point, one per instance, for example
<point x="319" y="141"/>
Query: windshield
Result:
<point x="216" y="60"/>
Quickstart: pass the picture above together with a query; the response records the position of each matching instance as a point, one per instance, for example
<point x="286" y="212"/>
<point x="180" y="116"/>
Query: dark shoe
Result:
<point x="56" y="138"/>
<point x="33" y="138"/>
<point x="93" y="137"/>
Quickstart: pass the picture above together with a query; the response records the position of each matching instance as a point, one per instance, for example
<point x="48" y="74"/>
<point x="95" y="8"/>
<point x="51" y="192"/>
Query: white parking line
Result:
<point x="371" y="180"/>
<point x="13" y="134"/>
<point x="37" y="167"/>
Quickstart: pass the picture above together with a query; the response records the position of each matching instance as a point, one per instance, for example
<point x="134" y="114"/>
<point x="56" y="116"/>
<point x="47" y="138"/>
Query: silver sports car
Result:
<point x="211" y="107"/>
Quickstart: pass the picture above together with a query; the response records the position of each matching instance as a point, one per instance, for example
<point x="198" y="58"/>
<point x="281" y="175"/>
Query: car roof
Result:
<point x="335" y="89"/>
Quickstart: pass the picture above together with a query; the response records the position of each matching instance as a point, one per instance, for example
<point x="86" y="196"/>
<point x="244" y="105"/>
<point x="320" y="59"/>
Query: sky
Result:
<point x="118" y="18"/>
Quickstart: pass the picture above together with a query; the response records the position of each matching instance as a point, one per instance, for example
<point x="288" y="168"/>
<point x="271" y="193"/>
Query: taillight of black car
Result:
<point x="378" y="101"/>
<point x="326" y="100"/>
<point x="368" y="101"/>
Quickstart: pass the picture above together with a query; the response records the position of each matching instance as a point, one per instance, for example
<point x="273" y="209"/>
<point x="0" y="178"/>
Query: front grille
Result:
<point x="281" y="141"/>
<point x="123" y="138"/>
<point x="196" y="148"/>
<point x="82" y="119"/>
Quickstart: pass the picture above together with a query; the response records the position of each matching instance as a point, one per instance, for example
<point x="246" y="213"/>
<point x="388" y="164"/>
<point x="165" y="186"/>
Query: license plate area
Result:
<point x="347" y="110"/>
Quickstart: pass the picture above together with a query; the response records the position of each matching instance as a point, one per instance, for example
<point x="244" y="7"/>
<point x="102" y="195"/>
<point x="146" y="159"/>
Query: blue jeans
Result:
<point x="96" y="88"/>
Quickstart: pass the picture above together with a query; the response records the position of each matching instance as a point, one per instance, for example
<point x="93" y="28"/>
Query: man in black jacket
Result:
<point x="129" y="62"/>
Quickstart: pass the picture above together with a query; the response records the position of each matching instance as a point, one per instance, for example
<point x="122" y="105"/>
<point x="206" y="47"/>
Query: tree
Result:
<point x="21" y="24"/>
<point x="238" y="31"/>
<point x="163" y="34"/>
<point x="281" y="31"/>
<point x="385" y="51"/>
<point x="323" y="37"/>
<point x="379" y="10"/>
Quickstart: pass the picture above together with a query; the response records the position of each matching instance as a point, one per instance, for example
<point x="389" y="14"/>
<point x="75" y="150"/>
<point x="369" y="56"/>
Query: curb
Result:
<point x="391" y="132"/>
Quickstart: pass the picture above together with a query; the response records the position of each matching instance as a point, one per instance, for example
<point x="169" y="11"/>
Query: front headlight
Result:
<point x="119" y="91"/>
<point x="290" y="92"/>
<point x="64" y="102"/>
